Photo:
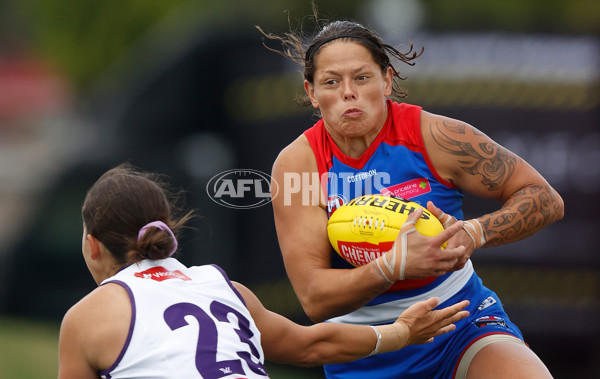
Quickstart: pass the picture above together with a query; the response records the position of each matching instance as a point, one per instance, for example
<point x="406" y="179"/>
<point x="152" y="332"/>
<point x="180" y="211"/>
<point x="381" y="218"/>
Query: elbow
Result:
<point x="311" y="359"/>
<point x="559" y="206"/>
<point x="561" y="211"/>
<point x="315" y="308"/>
<point x="314" y="311"/>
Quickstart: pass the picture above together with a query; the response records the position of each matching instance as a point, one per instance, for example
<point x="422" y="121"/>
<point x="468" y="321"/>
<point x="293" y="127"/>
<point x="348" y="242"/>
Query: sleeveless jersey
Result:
<point x="186" y="323"/>
<point x="397" y="164"/>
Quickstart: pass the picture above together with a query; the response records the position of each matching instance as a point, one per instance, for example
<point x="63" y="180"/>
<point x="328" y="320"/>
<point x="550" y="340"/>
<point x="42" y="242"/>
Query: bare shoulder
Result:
<point x="297" y="157"/>
<point x="98" y="324"/>
<point x="439" y="129"/>
<point x="471" y="160"/>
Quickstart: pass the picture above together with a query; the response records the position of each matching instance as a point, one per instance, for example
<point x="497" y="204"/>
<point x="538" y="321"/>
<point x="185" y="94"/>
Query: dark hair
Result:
<point x="293" y="49"/>
<point x="121" y="202"/>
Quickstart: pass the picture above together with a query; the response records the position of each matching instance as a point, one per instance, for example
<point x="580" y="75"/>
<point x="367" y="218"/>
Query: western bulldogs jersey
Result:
<point x="397" y="164"/>
<point x="186" y="323"/>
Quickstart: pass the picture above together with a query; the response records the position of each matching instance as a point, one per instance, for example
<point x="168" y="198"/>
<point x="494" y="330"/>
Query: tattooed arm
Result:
<point x="476" y="164"/>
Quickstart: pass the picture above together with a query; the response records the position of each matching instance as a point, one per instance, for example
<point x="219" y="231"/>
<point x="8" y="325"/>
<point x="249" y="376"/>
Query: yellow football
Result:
<point x="366" y="227"/>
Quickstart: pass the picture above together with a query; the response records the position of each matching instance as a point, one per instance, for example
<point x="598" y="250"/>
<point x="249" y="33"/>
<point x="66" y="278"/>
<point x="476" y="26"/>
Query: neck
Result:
<point x="353" y="147"/>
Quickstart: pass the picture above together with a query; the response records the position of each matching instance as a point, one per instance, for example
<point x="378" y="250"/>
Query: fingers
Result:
<point x="412" y="218"/>
<point x="424" y="323"/>
<point x="452" y="256"/>
<point x="453" y="313"/>
<point x="449" y="232"/>
<point x="456" y="308"/>
<point x="443" y="330"/>
<point x="431" y="303"/>
<point x="449" y="316"/>
<point x="421" y="308"/>
<point x="437" y="212"/>
<point x="444" y="218"/>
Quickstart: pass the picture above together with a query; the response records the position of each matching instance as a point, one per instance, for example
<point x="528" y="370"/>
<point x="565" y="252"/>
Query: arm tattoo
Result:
<point x="524" y="214"/>
<point x="493" y="162"/>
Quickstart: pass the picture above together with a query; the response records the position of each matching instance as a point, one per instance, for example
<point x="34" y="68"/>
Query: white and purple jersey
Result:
<point x="185" y="323"/>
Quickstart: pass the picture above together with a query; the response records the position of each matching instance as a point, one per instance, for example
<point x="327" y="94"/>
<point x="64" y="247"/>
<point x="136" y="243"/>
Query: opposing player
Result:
<point x="153" y="317"/>
<point x="367" y="143"/>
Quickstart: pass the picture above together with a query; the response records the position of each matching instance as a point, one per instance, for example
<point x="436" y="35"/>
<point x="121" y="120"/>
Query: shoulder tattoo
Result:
<point x="478" y="155"/>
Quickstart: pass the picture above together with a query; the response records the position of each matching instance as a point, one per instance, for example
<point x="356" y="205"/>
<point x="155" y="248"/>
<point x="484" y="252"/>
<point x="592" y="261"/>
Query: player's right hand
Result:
<point x="424" y="255"/>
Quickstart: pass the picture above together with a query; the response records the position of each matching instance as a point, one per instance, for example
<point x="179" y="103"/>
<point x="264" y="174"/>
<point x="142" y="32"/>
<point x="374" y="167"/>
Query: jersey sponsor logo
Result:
<point x="486" y="303"/>
<point x="160" y="273"/>
<point x="242" y="189"/>
<point x="490" y="321"/>
<point x="334" y="202"/>
<point x="409" y="189"/>
<point x="362" y="175"/>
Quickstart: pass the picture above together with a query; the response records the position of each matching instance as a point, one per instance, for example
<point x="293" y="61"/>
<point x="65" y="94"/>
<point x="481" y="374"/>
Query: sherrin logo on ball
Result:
<point x="366" y="227"/>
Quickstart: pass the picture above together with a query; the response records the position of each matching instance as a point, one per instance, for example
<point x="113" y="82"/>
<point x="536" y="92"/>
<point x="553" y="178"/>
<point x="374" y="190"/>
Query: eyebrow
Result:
<point x="333" y="72"/>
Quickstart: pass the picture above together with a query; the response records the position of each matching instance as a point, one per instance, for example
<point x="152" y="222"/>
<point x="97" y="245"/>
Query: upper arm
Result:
<point x="93" y="332"/>
<point x="300" y="217"/>
<point x="472" y="161"/>
<point x="72" y="358"/>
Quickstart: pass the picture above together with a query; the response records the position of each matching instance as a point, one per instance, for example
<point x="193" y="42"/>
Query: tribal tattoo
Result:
<point x="526" y="212"/>
<point x="493" y="162"/>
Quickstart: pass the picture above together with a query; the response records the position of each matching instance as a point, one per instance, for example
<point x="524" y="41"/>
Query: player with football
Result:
<point x="153" y="317"/>
<point x="365" y="143"/>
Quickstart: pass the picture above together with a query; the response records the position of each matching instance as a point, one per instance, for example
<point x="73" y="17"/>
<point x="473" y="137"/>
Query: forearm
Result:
<point x="343" y="342"/>
<point x="523" y="214"/>
<point x="326" y="293"/>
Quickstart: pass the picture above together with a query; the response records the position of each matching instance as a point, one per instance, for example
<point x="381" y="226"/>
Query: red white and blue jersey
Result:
<point x="396" y="164"/>
<point x="185" y="323"/>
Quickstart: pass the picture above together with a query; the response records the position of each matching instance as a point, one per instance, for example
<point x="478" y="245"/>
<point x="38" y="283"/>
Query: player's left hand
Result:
<point x="424" y="323"/>
<point x="459" y="239"/>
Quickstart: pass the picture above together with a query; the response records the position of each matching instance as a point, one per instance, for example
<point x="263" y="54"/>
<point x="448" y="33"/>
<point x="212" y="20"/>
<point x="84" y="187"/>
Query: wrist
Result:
<point x="393" y="337"/>
<point x="475" y="230"/>
<point x="383" y="267"/>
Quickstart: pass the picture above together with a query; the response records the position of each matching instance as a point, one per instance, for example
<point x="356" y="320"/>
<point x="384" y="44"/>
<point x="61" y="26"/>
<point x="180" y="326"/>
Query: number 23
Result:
<point x="206" y="348"/>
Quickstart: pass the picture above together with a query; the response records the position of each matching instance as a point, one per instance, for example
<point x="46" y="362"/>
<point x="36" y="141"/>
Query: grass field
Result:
<point x="29" y="350"/>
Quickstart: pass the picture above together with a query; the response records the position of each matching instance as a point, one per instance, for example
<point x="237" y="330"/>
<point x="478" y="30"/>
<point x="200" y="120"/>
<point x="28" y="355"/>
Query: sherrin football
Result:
<point x="366" y="227"/>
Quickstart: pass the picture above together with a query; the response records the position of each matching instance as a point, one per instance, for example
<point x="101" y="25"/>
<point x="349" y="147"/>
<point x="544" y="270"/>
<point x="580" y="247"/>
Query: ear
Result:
<point x="95" y="246"/>
<point x="388" y="79"/>
<point x="310" y="91"/>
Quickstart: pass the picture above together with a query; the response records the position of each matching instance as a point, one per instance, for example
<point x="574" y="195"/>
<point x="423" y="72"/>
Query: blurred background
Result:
<point x="185" y="87"/>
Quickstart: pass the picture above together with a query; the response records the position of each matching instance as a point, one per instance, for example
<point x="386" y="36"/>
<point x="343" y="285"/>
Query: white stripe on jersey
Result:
<point x="389" y="312"/>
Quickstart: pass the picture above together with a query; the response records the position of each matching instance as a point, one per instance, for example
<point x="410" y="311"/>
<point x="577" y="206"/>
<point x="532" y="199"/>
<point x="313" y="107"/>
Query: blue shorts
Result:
<point x="439" y="358"/>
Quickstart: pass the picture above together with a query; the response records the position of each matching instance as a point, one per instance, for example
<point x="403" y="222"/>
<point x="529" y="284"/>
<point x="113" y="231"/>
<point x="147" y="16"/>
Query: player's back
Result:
<point x="186" y="322"/>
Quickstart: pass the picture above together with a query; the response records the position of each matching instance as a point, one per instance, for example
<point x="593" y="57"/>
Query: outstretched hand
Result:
<point x="424" y="323"/>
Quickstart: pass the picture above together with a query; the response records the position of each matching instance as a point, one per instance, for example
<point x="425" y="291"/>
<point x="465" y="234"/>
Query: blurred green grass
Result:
<point x="29" y="350"/>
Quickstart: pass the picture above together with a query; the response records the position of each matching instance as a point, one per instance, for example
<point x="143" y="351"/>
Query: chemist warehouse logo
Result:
<point x="242" y="188"/>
